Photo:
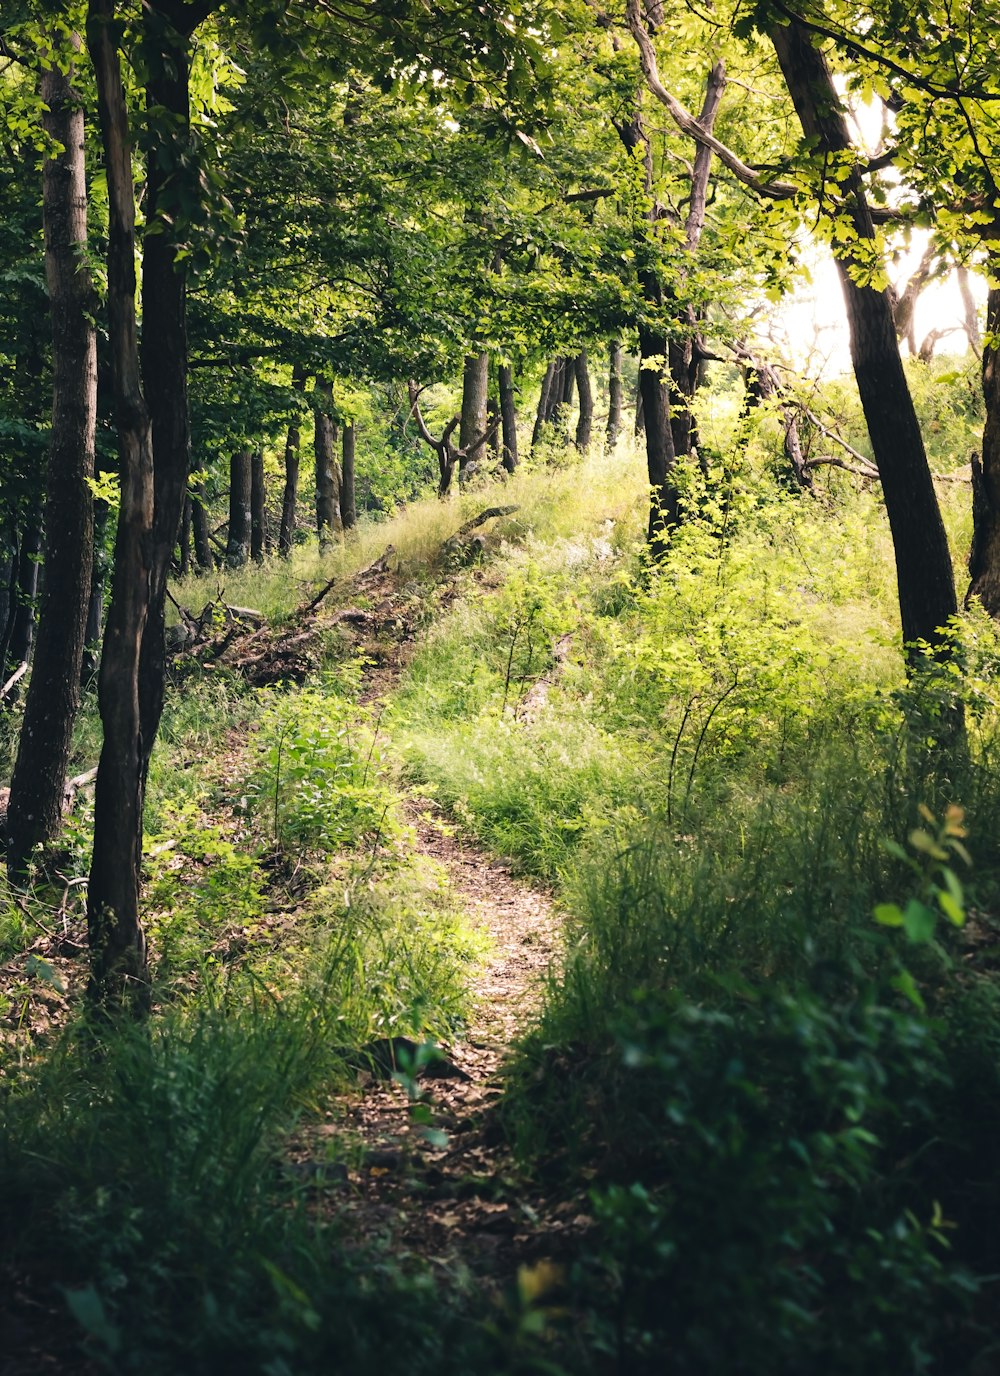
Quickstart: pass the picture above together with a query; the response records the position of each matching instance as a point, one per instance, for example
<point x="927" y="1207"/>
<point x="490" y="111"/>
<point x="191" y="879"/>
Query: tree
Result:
<point x="37" y="786"/>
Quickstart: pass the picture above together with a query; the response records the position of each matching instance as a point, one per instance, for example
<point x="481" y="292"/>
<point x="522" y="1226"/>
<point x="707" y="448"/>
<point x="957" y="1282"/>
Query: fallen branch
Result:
<point x="18" y="673"/>
<point x="481" y="520"/>
<point x="379" y="566"/>
<point x="830" y="460"/>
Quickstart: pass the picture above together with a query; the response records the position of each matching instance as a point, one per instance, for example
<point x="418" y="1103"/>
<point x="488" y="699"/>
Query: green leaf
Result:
<point x="953" y="911"/>
<point x="906" y="985"/>
<point x="889" y="914"/>
<point x="919" y="921"/>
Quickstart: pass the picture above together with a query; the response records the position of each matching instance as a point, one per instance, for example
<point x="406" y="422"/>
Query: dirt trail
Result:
<point x="459" y="1202"/>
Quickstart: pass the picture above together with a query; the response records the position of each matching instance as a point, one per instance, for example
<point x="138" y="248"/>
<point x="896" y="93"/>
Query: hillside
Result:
<point x="553" y="951"/>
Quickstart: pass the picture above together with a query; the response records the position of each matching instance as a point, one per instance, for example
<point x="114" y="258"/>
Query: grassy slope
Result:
<point x="707" y="759"/>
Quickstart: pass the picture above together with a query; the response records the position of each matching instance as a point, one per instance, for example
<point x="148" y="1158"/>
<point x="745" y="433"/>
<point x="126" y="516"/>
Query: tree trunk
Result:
<point x="240" y="520"/>
<point x="640" y="420"/>
<point x="118" y="947"/>
<point x="984" y="556"/>
<point x="348" y="504"/>
<point x="615" y="390"/>
<point x="542" y="414"/>
<point x="664" y="505"/>
<point x="36" y="793"/>
<point x="184" y="540"/>
<point x="258" y="507"/>
<point x="473" y="423"/>
<point x="585" y="422"/>
<point x="29" y="559"/>
<point x="970" y="321"/>
<point x="508" y="416"/>
<point x="204" y="557"/>
<point x="923" y="563"/>
<point x="171" y="171"/>
<point x="290" y="496"/>
<point x="328" y="521"/>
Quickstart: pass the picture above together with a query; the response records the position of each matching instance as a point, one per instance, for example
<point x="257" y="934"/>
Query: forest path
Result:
<point x="431" y="1177"/>
<point x="427" y="1169"/>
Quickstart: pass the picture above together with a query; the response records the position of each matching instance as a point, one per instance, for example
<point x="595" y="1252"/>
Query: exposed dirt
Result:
<point x="455" y="1203"/>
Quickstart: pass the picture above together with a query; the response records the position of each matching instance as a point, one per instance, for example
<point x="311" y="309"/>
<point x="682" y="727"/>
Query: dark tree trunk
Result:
<point x="29" y="559"/>
<point x="614" y="392"/>
<point x="170" y="183"/>
<point x="36" y="793"/>
<point x="289" y="500"/>
<point x="118" y="947"/>
<point x="508" y="416"/>
<point x="493" y="424"/>
<point x="95" y="605"/>
<point x="685" y="362"/>
<point x="240" y="489"/>
<point x="984" y="556"/>
<point x="348" y="504"/>
<point x="8" y="594"/>
<point x="640" y="420"/>
<point x="328" y="521"/>
<point x="473" y="423"/>
<point x="585" y="422"/>
<point x="204" y="557"/>
<point x="923" y="563"/>
<point x="184" y="540"/>
<point x="542" y="414"/>
<point x="258" y="507"/>
<point x="654" y="394"/>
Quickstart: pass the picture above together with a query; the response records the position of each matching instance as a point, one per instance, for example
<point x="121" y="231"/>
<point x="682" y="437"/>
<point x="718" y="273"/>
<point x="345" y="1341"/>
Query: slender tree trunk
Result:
<point x="204" y="557"/>
<point x="923" y="562"/>
<point x="542" y="414"/>
<point x="170" y="167"/>
<point x="348" y="504"/>
<point x="328" y="520"/>
<point x="53" y="696"/>
<point x="184" y="540"/>
<point x="640" y="420"/>
<point x="258" y="507"/>
<point x="615" y="390"/>
<point x="685" y="370"/>
<point x="984" y="556"/>
<point x="970" y="314"/>
<point x="493" y="423"/>
<point x="654" y="394"/>
<point x="240" y="519"/>
<point x="475" y="389"/>
<point x="289" y="500"/>
<point x="508" y="416"/>
<point x="585" y="422"/>
<point x="118" y="947"/>
<point x="95" y="604"/>
<point x="29" y="561"/>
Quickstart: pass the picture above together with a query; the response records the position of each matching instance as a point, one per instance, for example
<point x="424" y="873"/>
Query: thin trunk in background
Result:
<point x="348" y="503"/>
<point x="328" y="520"/>
<point x="240" y="488"/>
<point x="258" y="507"/>
<point x="541" y="414"/>
<point x="615" y="391"/>
<point x="53" y="695"/>
<point x="29" y="562"/>
<point x="290" y="496"/>
<point x="204" y="557"/>
<point x="508" y="416"/>
<point x="585" y="422"/>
